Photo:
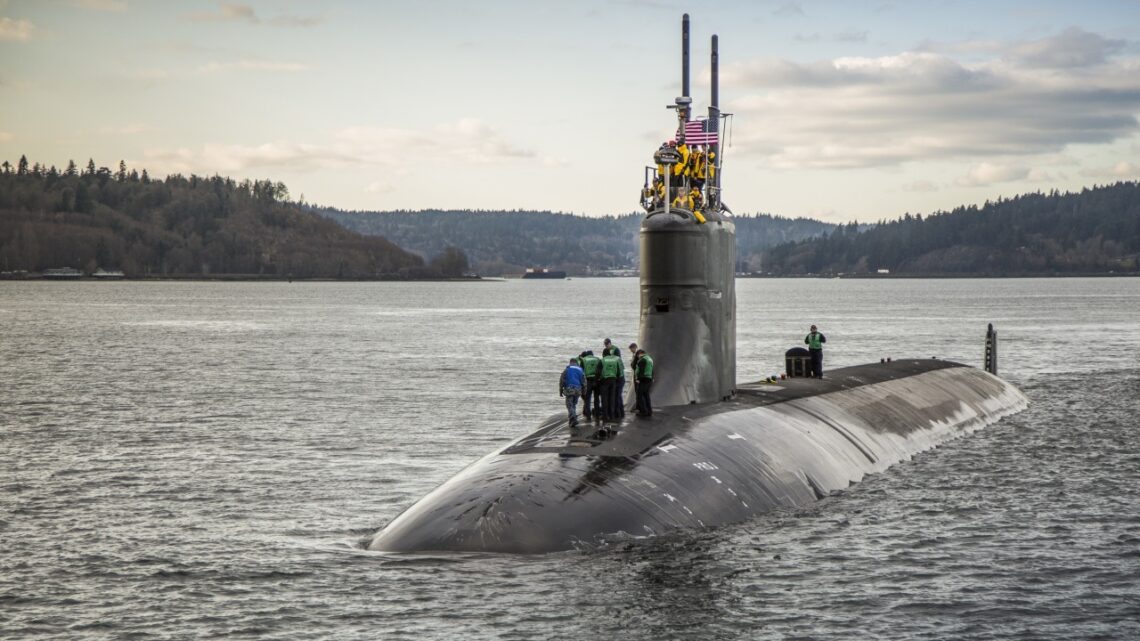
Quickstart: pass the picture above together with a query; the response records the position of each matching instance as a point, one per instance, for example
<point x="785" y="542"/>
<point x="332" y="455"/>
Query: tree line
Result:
<point x="183" y="226"/>
<point x="1093" y="231"/>
<point x="508" y="242"/>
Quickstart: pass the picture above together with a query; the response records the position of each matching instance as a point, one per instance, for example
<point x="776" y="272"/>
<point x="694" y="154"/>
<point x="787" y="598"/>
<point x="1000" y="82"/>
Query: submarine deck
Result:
<point x="634" y="435"/>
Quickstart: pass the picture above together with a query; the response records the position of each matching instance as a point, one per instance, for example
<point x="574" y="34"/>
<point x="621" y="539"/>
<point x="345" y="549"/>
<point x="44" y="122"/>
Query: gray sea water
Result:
<point x="205" y="461"/>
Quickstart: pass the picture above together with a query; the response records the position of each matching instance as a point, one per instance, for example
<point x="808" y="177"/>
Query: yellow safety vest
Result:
<point x="700" y="165"/>
<point x="682" y="168"/>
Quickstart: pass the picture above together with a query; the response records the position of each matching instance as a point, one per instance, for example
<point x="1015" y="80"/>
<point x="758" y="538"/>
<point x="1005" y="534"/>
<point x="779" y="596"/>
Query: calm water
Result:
<point x="204" y="460"/>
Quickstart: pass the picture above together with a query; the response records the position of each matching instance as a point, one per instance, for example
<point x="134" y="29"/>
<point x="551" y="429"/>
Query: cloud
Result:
<point x="851" y="36"/>
<point x="987" y="173"/>
<point x="793" y="8"/>
<point x="126" y="130"/>
<point x="253" y="65"/>
<point x="1124" y="169"/>
<point x="228" y="12"/>
<point x="467" y="141"/>
<point x="1071" y="48"/>
<point x="5" y="136"/>
<point x="244" y="13"/>
<point x="869" y="112"/>
<point x="920" y="186"/>
<point x="294" y="21"/>
<point x="476" y="142"/>
<point x="843" y="36"/>
<point x="379" y="187"/>
<point x="17" y="30"/>
<point x="116" y="6"/>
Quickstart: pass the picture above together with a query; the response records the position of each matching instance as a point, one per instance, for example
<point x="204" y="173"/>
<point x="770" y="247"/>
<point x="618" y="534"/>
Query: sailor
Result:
<point x="696" y="203"/>
<point x="658" y="193"/>
<point x="611" y="367"/>
<point x="703" y="168"/>
<point x="683" y="200"/>
<point x="682" y="169"/>
<point x="620" y="396"/>
<point x="643" y="375"/>
<point x="591" y="399"/>
<point x="633" y="368"/>
<point x="700" y="168"/>
<point x="570" y="386"/>
<point x="815" y="341"/>
<point x="695" y="199"/>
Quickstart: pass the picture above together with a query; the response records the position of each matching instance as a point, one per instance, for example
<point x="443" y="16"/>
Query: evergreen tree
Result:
<point x="121" y="176"/>
<point x="83" y="201"/>
<point x="452" y="262"/>
<point x="90" y="171"/>
<point x="71" y="170"/>
<point x="22" y="168"/>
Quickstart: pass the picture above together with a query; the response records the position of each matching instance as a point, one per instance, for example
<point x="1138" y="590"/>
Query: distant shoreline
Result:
<point x="252" y="278"/>
<point x="944" y="276"/>
<point x="247" y="278"/>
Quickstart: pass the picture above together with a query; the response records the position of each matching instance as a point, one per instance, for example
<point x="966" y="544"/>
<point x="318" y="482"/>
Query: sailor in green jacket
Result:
<point x="643" y="375"/>
<point x="591" y="397"/>
<point x="815" y="341"/>
<point x="611" y="367"/>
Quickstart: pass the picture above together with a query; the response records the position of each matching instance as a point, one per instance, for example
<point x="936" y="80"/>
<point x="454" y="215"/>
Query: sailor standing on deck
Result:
<point x="815" y="341"/>
<point x="643" y="377"/>
<point x="591" y="395"/>
<point x="619" y="393"/>
<point x="633" y="368"/>
<point x="570" y="385"/>
<point x="611" y="368"/>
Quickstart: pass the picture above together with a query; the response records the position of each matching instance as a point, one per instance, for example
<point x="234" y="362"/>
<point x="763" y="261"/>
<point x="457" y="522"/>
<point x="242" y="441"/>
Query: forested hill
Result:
<point x="1096" y="230"/>
<point x="177" y="226"/>
<point x="506" y="242"/>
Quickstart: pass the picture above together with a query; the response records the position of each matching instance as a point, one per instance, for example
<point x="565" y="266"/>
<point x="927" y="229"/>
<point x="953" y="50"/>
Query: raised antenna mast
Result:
<point x="714" y="110"/>
<point x="685" y="55"/>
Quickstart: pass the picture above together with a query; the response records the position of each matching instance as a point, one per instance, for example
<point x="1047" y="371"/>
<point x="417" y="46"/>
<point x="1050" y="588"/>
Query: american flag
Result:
<point x="700" y="132"/>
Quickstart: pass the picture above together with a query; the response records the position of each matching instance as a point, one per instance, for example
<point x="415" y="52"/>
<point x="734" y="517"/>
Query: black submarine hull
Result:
<point x="772" y="446"/>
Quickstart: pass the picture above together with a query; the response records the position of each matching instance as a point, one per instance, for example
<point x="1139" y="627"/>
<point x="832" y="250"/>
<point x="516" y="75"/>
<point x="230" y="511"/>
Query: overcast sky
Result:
<point x="842" y="110"/>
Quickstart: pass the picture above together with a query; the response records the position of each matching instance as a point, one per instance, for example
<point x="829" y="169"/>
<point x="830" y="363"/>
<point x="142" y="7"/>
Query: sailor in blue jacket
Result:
<point x="570" y="386"/>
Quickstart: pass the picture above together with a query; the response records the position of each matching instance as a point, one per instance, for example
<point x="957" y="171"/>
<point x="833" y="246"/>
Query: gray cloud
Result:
<point x="1071" y="48"/>
<point x="792" y="8"/>
<point x="232" y="12"/>
<point x="843" y="36"/>
<point x="851" y="36"/>
<point x="867" y="112"/>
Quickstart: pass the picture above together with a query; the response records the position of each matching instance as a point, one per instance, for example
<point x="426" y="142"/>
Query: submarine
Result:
<point x="714" y="452"/>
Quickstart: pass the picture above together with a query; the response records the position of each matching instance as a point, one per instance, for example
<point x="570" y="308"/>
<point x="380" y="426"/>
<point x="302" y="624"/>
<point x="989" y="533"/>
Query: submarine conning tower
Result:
<point x="688" y="292"/>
